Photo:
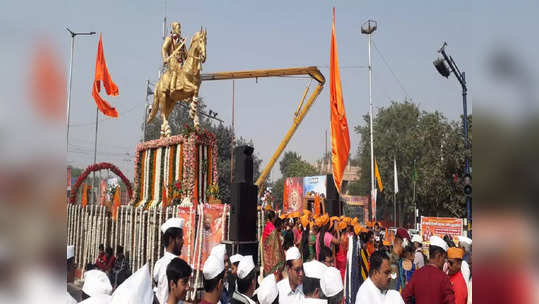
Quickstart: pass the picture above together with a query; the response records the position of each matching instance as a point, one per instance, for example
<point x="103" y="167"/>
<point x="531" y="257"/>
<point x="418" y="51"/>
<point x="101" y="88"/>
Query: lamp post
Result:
<point x="73" y="35"/>
<point x="441" y="64"/>
<point x="368" y="28"/>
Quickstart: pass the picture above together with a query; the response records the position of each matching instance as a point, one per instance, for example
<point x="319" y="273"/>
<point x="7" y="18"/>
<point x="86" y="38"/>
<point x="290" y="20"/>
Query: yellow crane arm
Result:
<point x="311" y="71"/>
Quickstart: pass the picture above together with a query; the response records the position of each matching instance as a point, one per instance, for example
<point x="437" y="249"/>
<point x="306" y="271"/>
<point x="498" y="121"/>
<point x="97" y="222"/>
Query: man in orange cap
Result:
<point x="454" y="258"/>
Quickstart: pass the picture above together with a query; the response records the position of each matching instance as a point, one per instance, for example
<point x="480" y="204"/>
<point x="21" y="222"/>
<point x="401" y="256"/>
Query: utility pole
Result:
<point x="73" y="35"/>
<point x="368" y="28"/>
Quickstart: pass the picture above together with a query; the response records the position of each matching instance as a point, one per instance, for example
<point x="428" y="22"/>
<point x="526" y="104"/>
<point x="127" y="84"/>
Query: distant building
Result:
<point x="351" y="173"/>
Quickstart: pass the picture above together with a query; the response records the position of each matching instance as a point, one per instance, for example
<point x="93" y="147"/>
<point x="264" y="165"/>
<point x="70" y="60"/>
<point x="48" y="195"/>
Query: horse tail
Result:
<point x="155" y="105"/>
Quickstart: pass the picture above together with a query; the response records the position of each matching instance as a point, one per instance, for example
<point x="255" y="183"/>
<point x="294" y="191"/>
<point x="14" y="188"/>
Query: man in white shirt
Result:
<point x="246" y="282"/>
<point x="311" y="282"/>
<point x="466" y="244"/>
<point x="291" y="288"/>
<point x="172" y="238"/>
<point x="375" y="289"/>
<point x="419" y="259"/>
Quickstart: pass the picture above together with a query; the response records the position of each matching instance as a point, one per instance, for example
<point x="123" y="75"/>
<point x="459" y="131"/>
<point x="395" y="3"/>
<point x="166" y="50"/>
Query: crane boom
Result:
<point x="311" y="71"/>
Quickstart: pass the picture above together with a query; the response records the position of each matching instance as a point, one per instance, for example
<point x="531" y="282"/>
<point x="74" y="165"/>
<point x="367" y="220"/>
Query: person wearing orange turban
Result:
<point x="454" y="258"/>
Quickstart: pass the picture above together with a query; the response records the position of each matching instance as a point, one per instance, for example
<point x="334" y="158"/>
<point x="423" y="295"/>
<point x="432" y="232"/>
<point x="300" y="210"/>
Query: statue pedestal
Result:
<point x="189" y="160"/>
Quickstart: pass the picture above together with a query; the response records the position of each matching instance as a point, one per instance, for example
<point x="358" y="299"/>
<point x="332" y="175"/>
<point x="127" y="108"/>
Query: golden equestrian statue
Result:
<point x="181" y="82"/>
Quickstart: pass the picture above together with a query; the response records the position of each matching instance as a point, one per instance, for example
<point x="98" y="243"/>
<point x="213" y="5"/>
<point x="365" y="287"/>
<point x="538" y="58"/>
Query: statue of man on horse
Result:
<point x="181" y="81"/>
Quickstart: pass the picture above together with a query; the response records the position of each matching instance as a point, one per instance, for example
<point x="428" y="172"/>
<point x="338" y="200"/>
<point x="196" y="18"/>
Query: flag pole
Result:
<point x="368" y="28"/>
<point x="95" y="151"/>
<point x="413" y="199"/>
<point x="395" y="189"/>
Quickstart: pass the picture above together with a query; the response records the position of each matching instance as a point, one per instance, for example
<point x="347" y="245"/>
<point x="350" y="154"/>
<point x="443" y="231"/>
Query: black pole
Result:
<point x="461" y="77"/>
<point x="467" y="147"/>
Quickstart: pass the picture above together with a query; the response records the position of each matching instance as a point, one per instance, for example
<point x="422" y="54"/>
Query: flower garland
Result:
<point x="97" y="167"/>
<point x="181" y="166"/>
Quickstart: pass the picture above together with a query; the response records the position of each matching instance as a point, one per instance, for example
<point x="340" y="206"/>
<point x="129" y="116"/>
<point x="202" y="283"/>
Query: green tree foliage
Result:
<point x="435" y="144"/>
<point x="291" y="165"/>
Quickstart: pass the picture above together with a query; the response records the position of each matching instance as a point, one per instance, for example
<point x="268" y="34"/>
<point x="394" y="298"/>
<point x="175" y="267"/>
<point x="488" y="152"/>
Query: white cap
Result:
<point x="98" y="299"/>
<point x="314" y="269"/>
<point x="96" y="282"/>
<point x="236" y="258"/>
<point x="267" y="292"/>
<point x="465" y="240"/>
<point x="219" y="251"/>
<point x="137" y="289"/>
<point x="174" y="222"/>
<point x="438" y="241"/>
<point x="70" y="251"/>
<point x="292" y="254"/>
<point x="213" y="267"/>
<point x="245" y="266"/>
<point x="417" y="238"/>
<point x="331" y="282"/>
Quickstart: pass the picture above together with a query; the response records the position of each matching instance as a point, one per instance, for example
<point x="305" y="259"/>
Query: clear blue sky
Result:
<point x="245" y="35"/>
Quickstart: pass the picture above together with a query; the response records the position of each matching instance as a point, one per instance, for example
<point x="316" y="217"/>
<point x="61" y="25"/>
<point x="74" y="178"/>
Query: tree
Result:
<point x="429" y="140"/>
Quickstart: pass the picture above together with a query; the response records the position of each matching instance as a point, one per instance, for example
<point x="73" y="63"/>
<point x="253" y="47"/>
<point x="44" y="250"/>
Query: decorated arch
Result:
<point x="98" y="167"/>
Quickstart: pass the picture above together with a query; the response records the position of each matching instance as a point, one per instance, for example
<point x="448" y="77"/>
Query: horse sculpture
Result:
<point x="186" y="86"/>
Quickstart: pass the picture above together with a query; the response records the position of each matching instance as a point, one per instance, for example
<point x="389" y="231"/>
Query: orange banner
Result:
<point x="188" y="233"/>
<point x="440" y="226"/>
<point x="213" y="228"/>
<point x="293" y="194"/>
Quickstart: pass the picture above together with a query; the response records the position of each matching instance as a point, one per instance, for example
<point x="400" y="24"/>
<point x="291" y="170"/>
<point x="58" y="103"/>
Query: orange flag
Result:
<point x="47" y="83"/>
<point x="102" y="75"/>
<point x="84" y="199"/>
<point x="164" y="198"/>
<point x="116" y="203"/>
<point x="340" y="138"/>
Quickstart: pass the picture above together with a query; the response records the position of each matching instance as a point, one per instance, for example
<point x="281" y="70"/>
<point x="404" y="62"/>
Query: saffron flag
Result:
<point x="164" y="197"/>
<point x="378" y="177"/>
<point x="116" y="203"/>
<point x="102" y="75"/>
<point x="84" y="199"/>
<point x="103" y="192"/>
<point x="340" y="138"/>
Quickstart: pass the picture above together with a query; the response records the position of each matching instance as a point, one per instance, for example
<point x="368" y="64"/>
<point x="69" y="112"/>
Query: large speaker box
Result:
<point x="243" y="212"/>
<point x="243" y="165"/>
<point x="331" y="190"/>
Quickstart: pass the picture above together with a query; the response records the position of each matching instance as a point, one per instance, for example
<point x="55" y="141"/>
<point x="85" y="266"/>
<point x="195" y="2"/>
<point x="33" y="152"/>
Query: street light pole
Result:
<point x="461" y="77"/>
<point x="368" y="28"/>
<point x="73" y="35"/>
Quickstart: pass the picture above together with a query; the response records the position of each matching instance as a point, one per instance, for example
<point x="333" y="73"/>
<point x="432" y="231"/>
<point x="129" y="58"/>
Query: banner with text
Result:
<point x="440" y="226"/>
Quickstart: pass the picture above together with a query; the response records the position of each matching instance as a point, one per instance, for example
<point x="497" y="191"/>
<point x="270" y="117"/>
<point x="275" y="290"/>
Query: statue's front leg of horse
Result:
<point x="165" y="128"/>
<point x="193" y="111"/>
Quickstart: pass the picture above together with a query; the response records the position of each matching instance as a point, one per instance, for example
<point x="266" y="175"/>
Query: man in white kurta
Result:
<point x="375" y="290"/>
<point x="291" y="288"/>
<point x="172" y="231"/>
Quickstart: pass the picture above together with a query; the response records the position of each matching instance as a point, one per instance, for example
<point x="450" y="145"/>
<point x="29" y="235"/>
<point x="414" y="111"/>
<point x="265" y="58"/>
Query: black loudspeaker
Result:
<point x="243" y="212"/>
<point x="331" y="190"/>
<point x="333" y="205"/>
<point x="243" y="165"/>
<point x="249" y="249"/>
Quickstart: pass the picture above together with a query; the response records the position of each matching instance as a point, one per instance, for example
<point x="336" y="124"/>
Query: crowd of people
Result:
<point x="305" y="259"/>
